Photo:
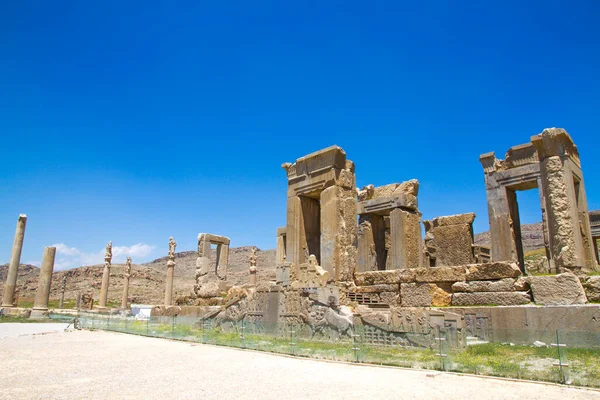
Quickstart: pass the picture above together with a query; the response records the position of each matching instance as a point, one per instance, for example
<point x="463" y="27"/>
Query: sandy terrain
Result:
<point x="104" y="365"/>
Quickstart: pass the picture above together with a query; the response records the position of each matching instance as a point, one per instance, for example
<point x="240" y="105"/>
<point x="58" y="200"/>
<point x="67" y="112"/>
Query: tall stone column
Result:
<point x="105" y="277"/>
<point x="13" y="267"/>
<point x="63" y="286"/>
<point x="170" y="272"/>
<point x="407" y="246"/>
<point x="253" y="269"/>
<point x="126" y="283"/>
<point x="40" y="304"/>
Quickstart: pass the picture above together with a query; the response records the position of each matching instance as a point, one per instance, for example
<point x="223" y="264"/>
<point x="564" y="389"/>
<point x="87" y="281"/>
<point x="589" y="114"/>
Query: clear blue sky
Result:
<point x="134" y="121"/>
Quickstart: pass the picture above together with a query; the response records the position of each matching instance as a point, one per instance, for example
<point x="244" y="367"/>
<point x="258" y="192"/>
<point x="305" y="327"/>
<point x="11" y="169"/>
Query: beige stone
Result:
<point x="377" y="278"/>
<point x="40" y="303"/>
<point x="423" y="295"/>
<point x="406" y="244"/>
<point x="562" y="289"/>
<point x="13" y="266"/>
<point x="592" y="288"/>
<point x="376" y="288"/>
<point x="127" y="276"/>
<point x="490" y="298"/>
<point x="440" y="274"/>
<point x="491" y="271"/>
<point x="451" y="239"/>
<point x="502" y="285"/>
<point x="105" y="277"/>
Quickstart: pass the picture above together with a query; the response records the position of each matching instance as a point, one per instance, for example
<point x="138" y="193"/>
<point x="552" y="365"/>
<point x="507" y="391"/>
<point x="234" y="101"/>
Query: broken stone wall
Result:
<point x="452" y="239"/>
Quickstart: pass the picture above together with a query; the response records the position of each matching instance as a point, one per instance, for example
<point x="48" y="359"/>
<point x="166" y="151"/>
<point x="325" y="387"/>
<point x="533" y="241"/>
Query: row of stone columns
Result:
<point x="40" y="307"/>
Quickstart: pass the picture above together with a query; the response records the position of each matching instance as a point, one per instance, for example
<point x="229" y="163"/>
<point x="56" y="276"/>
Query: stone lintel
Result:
<point x="324" y="159"/>
<point x="282" y="231"/>
<point x="488" y="162"/>
<point x="458" y="219"/>
<point x="214" y="239"/>
<point x="385" y="205"/>
<point x="555" y="142"/>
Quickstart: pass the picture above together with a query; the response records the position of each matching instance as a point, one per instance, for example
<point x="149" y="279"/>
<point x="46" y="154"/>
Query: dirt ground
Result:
<point x="105" y="365"/>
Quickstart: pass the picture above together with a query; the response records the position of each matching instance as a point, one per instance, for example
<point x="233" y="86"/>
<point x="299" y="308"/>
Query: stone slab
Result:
<point x="377" y="278"/>
<point x="502" y="285"/>
<point x="491" y="271"/>
<point x="562" y="289"/>
<point x="490" y="298"/>
<point x="423" y="295"/>
<point x="440" y="274"/>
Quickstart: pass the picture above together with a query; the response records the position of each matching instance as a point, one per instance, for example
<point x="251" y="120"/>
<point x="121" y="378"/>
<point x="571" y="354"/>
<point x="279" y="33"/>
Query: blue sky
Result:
<point x="133" y="122"/>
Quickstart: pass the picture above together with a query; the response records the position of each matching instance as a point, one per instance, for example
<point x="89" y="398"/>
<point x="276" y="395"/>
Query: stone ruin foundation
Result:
<point x="352" y="259"/>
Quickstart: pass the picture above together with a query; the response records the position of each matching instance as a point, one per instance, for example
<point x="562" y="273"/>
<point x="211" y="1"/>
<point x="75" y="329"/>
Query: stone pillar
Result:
<point x="40" y="304"/>
<point x="296" y="240"/>
<point x="127" y="275"/>
<point x="13" y="266"/>
<point x="78" y="301"/>
<point x="566" y="205"/>
<point x="338" y="232"/>
<point x="406" y="246"/>
<point x="280" y="256"/>
<point x="105" y="277"/>
<point x="63" y="286"/>
<point x="366" y="257"/>
<point x="223" y="255"/>
<point x="253" y="269"/>
<point x="170" y="271"/>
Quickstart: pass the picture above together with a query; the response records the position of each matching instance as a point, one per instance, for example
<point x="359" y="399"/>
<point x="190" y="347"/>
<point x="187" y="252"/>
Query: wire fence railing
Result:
<point x="570" y="357"/>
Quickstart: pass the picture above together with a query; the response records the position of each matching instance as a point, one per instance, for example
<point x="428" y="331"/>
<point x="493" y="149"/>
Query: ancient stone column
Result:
<point x="126" y="283"/>
<point x="253" y="269"/>
<point x="105" y="276"/>
<point x="13" y="267"/>
<point x="62" y="292"/>
<point x="40" y="304"/>
<point x="78" y="301"/>
<point x="170" y="272"/>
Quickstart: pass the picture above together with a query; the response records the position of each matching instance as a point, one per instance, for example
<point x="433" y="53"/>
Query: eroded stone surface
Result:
<point x="592" y="288"/>
<point x="494" y="270"/>
<point x="559" y="289"/>
<point x="490" y="298"/>
<point x="423" y="295"/>
<point x="503" y="285"/>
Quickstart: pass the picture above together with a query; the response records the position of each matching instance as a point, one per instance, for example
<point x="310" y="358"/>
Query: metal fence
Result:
<point x="569" y="357"/>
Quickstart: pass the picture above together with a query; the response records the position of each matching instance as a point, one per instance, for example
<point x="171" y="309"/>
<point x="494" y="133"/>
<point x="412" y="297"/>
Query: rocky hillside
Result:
<point x="533" y="237"/>
<point x="147" y="283"/>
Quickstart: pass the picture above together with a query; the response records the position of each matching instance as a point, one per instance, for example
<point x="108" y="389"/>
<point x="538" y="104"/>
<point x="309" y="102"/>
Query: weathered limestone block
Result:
<point x="592" y="288"/>
<point x="376" y="288"/>
<point x="338" y="232"/>
<point x="491" y="271"/>
<point x="503" y="285"/>
<point x="440" y="274"/>
<point x="390" y="298"/>
<point x="562" y="289"/>
<point x="452" y="238"/>
<point x="366" y="253"/>
<point x="423" y="295"/>
<point x="377" y="278"/>
<point x="406" y="246"/>
<point x="490" y="298"/>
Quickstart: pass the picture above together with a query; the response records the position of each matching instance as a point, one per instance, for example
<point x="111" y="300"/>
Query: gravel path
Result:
<point x="104" y="365"/>
<point x="8" y="330"/>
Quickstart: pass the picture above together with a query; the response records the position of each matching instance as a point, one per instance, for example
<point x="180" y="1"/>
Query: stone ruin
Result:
<point x="356" y="259"/>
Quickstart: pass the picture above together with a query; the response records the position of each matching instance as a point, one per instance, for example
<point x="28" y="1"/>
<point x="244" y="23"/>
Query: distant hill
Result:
<point x="532" y="234"/>
<point x="147" y="283"/>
